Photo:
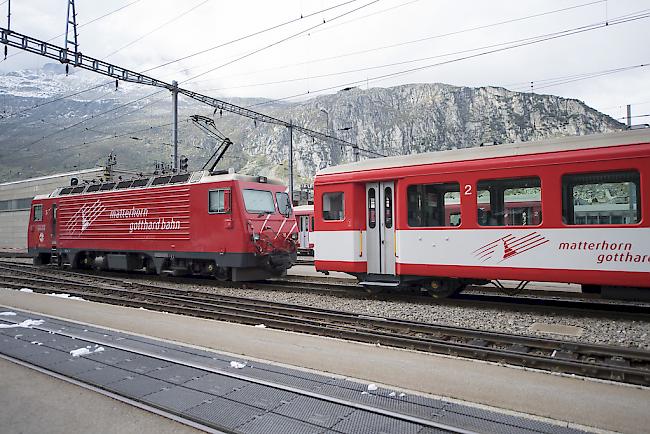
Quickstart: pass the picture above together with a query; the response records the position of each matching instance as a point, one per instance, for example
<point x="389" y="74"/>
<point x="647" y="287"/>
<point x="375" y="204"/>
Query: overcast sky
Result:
<point x="365" y="43"/>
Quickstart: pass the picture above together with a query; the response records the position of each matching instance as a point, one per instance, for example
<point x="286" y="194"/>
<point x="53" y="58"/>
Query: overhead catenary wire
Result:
<point x="250" y="35"/>
<point x="91" y="117"/>
<point x="239" y="110"/>
<point x="366" y="79"/>
<point x="155" y="29"/>
<point x="85" y="24"/>
<point x="258" y="50"/>
<point x="515" y="44"/>
<point x="113" y="136"/>
<point x="54" y="100"/>
<point x="425" y="39"/>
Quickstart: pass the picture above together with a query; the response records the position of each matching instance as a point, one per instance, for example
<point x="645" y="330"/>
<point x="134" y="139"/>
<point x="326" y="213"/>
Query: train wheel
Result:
<point x="222" y="273"/>
<point x="444" y="288"/>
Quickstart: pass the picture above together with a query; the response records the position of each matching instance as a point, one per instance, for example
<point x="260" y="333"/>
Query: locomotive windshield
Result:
<point x="259" y="201"/>
<point x="284" y="206"/>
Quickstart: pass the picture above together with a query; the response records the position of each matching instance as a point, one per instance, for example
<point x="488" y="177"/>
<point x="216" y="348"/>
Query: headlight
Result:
<point x="294" y="236"/>
<point x="255" y="237"/>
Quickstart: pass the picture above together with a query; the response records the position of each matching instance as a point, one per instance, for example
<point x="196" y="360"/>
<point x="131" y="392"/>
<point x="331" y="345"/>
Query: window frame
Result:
<point x="342" y="193"/>
<point x="275" y="206"/>
<point x="425" y="183"/>
<point x="40" y="207"/>
<point x="505" y="180"/>
<point x="277" y="203"/>
<point x="227" y="207"/>
<point x="568" y="206"/>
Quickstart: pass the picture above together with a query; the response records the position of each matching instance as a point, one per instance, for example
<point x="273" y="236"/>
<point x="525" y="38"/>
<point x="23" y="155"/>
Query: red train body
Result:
<point x="230" y="226"/>
<point x="305" y="221"/>
<point x="574" y="210"/>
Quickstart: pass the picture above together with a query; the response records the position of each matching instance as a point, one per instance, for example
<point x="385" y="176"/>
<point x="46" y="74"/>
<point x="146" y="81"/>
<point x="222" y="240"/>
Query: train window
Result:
<point x="284" y="206"/>
<point x="94" y="187"/>
<point x="334" y="206"/>
<point x="601" y="198"/>
<point x="312" y="224"/>
<point x="509" y="202"/>
<point x="123" y="184"/>
<point x="219" y="201"/>
<point x="259" y="201"/>
<point x="372" y="208"/>
<point x="433" y="205"/>
<point x="38" y="213"/>
<point x="66" y="190"/>
<point x="79" y="189"/>
<point x="388" y="207"/>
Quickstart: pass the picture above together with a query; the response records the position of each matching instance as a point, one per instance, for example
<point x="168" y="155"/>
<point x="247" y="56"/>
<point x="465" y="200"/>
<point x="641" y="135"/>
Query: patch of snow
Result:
<point x="402" y="395"/>
<point x="64" y="295"/>
<point x="28" y="323"/>
<point x="392" y="394"/>
<point x="7" y="313"/>
<point x="84" y="351"/>
<point x="26" y="290"/>
<point x="36" y="343"/>
<point x="80" y="352"/>
<point x="237" y="365"/>
<point x="261" y="326"/>
<point x="365" y="393"/>
<point x="372" y="387"/>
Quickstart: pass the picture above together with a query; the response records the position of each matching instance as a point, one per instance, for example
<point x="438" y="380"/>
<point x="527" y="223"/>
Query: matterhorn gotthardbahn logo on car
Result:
<point x="508" y="246"/>
<point x="82" y="219"/>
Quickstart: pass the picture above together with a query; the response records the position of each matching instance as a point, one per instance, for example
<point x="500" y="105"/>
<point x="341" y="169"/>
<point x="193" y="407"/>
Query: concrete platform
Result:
<point x="596" y="404"/>
<point x="32" y="402"/>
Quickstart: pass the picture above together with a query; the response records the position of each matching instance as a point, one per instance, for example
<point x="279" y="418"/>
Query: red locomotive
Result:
<point x="305" y="222"/>
<point x="572" y="209"/>
<point x="230" y="226"/>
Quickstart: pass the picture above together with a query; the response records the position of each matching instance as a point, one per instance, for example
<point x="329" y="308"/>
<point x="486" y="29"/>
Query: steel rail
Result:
<point x="605" y="362"/>
<point x="553" y="302"/>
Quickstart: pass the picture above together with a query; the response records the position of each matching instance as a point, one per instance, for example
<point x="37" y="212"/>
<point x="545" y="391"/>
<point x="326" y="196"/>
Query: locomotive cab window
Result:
<point x="38" y="213"/>
<point x="259" y="201"/>
<point x="509" y="202"/>
<point x="333" y="206"/>
<point x="601" y="198"/>
<point x="433" y="205"/>
<point x="219" y="201"/>
<point x="284" y="205"/>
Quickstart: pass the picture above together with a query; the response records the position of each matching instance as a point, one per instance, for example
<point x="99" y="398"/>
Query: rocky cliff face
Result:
<point x="400" y="120"/>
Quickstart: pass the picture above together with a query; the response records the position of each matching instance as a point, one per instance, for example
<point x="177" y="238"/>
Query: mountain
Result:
<point x="405" y="119"/>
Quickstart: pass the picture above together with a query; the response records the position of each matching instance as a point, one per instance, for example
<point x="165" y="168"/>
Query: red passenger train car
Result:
<point x="305" y="222"/>
<point x="227" y="225"/>
<point x="571" y="209"/>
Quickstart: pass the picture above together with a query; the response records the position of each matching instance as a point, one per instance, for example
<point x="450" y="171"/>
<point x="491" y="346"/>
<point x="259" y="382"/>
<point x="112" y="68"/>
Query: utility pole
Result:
<point x="629" y="116"/>
<point x="291" y="161"/>
<point x="8" y="22"/>
<point x="175" y="123"/>
<point x="72" y="19"/>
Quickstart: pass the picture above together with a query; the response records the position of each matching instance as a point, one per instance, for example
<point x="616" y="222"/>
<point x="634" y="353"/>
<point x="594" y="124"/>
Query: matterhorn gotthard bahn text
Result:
<point x="399" y="120"/>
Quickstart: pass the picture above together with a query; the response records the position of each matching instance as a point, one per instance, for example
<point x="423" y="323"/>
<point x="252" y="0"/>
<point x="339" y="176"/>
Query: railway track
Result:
<point x="596" y="361"/>
<point x="531" y="301"/>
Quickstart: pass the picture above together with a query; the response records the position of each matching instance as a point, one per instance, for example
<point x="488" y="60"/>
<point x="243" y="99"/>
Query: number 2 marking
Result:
<point x="468" y="190"/>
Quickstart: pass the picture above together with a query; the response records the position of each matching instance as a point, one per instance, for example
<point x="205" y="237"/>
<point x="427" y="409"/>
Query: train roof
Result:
<point x="200" y="177"/>
<point x="558" y="144"/>
<point x="303" y="208"/>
